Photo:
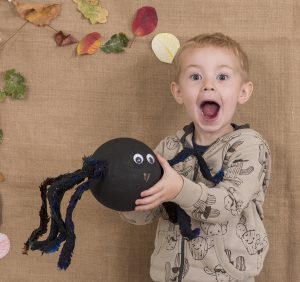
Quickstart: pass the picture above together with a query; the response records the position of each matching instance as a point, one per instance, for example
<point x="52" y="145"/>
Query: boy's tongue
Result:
<point x="210" y="109"/>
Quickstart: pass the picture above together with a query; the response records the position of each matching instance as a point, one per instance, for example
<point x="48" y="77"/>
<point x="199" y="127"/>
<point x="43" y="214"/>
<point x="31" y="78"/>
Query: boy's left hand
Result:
<point x="166" y="189"/>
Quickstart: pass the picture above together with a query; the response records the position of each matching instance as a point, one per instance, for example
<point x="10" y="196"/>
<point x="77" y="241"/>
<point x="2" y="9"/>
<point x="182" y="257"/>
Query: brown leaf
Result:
<point x="37" y="13"/>
<point x="61" y="39"/>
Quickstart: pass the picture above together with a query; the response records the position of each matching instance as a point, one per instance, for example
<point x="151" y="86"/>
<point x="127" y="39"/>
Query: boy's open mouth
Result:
<point x="210" y="109"/>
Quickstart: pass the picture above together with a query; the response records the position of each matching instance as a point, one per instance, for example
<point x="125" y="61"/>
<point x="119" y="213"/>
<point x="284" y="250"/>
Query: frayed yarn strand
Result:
<point x="60" y="230"/>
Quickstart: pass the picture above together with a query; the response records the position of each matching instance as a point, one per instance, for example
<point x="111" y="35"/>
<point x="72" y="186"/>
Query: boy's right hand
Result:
<point x="165" y="190"/>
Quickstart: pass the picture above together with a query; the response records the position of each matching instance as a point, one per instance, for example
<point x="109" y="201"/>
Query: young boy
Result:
<point x="211" y="80"/>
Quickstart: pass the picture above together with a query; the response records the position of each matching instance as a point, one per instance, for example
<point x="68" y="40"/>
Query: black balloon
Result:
<point x="132" y="167"/>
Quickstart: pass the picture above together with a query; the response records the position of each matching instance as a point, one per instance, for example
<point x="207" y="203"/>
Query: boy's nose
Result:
<point x="208" y="88"/>
<point x="208" y="85"/>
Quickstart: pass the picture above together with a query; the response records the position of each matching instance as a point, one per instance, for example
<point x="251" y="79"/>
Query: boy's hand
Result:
<point x="166" y="189"/>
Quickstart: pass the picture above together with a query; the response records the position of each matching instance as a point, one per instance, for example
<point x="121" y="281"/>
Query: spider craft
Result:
<point x="116" y="174"/>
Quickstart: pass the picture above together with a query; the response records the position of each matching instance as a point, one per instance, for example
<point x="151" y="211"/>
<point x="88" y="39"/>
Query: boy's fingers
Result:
<point x="154" y="189"/>
<point x="148" y="200"/>
<point x="163" y="162"/>
<point x="147" y="207"/>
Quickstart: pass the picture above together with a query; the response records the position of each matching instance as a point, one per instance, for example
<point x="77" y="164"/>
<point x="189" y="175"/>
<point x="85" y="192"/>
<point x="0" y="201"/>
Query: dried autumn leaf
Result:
<point x="89" y="44"/>
<point x="165" y="47"/>
<point x="14" y="84"/>
<point x="145" y="21"/>
<point x="92" y="10"/>
<point x="61" y="39"/>
<point x="37" y="13"/>
<point x="2" y="96"/>
<point x="116" y="43"/>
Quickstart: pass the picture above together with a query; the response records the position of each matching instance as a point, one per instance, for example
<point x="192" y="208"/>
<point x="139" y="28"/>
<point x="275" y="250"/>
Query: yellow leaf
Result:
<point x="37" y="13"/>
<point x="165" y="47"/>
<point x="92" y="10"/>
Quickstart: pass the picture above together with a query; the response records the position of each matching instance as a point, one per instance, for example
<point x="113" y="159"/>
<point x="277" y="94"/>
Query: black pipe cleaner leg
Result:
<point x="44" y="218"/>
<point x="59" y="230"/>
<point x="67" y="250"/>
<point x="56" y="192"/>
<point x="55" y="196"/>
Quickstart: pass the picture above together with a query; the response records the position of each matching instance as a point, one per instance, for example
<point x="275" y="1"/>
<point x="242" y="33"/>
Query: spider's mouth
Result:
<point x="210" y="109"/>
<point x="146" y="176"/>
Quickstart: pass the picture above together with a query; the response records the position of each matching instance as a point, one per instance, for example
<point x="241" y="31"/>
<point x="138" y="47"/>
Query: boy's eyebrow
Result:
<point x="220" y="66"/>
<point x="225" y="66"/>
<point x="193" y="66"/>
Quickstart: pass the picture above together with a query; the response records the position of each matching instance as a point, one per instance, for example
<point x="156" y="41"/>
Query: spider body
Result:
<point x="132" y="167"/>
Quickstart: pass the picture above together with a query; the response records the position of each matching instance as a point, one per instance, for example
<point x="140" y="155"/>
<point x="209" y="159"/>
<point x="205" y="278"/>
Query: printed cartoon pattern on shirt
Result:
<point x="219" y="272"/>
<point x="211" y="229"/>
<point x="170" y="238"/>
<point x="187" y="171"/>
<point x="198" y="248"/>
<point x="231" y="204"/>
<point x="254" y="243"/>
<point x="233" y="171"/>
<point x="239" y="261"/>
<point x="172" y="272"/>
<point x="172" y="143"/>
<point x="225" y="139"/>
<point x="203" y="210"/>
<point x="263" y="155"/>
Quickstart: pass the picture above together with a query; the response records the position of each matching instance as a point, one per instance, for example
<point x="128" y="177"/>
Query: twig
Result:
<point x="18" y="30"/>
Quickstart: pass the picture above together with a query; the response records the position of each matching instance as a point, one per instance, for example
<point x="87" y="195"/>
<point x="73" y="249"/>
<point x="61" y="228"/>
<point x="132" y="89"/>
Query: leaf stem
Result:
<point x="18" y="30"/>
<point x="131" y="42"/>
<point x="53" y="28"/>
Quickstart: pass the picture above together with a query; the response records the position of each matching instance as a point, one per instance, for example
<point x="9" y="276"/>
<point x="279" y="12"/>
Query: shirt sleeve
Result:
<point x="246" y="167"/>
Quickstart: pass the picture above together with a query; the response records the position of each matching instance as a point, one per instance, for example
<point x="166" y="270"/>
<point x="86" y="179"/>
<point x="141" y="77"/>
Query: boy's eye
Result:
<point x="196" y="76"/>
<point x="222" y="76"/>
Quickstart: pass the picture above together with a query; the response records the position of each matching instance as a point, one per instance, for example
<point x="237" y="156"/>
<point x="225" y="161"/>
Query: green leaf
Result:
<point x="14" y="84"/>
<point x="116" y="43"/>
<point x="2" y="96"/>
<point x="1" y="135"/>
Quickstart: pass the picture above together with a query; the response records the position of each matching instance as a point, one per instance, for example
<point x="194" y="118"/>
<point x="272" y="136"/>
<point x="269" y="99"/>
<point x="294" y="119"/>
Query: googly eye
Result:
<point x="138" y="158"/>
<point x="150" y="159"/>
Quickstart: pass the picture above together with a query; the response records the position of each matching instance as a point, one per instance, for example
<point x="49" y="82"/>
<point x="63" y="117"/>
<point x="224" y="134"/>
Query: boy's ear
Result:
<point x="176" y="92"/>
<point x="246" y="91"/>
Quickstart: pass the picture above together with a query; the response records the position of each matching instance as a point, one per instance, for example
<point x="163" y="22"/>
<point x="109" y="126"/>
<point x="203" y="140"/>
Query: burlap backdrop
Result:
<point x="74" y="104"/>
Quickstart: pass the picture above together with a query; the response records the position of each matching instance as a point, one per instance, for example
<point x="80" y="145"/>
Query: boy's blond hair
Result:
<point x="215" y="40"/>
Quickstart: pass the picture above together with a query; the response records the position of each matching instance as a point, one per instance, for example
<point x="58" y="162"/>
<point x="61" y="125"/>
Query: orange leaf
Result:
<point x="89" y="44"/>
<point x="37" y="13"/>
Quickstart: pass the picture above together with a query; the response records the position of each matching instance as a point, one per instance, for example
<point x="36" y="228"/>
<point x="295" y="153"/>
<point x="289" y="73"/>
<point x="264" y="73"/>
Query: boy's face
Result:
<point x="210" y="86"/>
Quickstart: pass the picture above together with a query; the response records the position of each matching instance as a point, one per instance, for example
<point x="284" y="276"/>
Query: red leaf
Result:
<point x="61" y="39"/>
<point x="145" y="21"/>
